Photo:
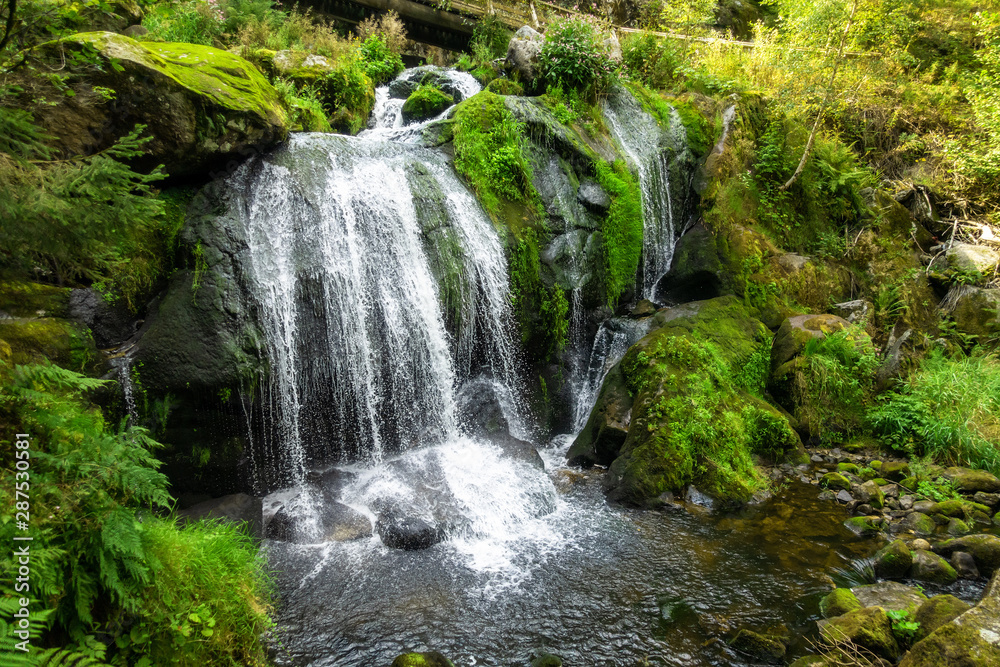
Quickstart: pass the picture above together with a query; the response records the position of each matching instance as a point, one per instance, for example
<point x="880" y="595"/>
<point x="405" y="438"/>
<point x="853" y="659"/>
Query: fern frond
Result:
<point x="66" y="658"/>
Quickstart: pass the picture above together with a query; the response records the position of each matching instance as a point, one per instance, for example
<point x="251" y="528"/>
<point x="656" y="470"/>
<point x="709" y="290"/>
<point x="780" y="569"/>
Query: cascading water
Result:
<point x="639" y="135"/>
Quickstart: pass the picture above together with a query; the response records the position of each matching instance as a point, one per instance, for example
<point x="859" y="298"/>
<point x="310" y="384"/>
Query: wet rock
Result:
<point x="863" y="510"/>
<point x="519" y="450"/>
<point x="844" y="497"/>
<point x="969" y="640"/>
<point x="407" y="533"/>
<point x="915" y="522"/>
<point x="835" y="480"/>
<point x="644" y="308"/>
<point x="809" y="661"/>
<point x="928" y="566"/>
<point x="697" y="271"/>
<point x="110" y="324"/>
<point x="759" y="647"/>
<point x="523" y="51"/>
<point x="838" y="602"/>
<point x="863" y="525"/>
<point x="971" y="481"/>
<point x="593" y="197"/>
<point x="237" y="508"/>
<point x="340" y="523"/>
<point x="607" y="428"/>
<point x="937" y="611"/>
<point x="409" y="80"/>
<point x="827" y="495"/>
<point x="893" y="560"/>
<point x="984" y="548"/>
<point x="890" y="595"/>
<point x="869" y="628"/>
<point x="480" y="408"/>
<point x="965" y="565"/>
<point x="430" y="659"/>
<point x="852" y="311"/>
<point x="869" y="493"/>
<point x="424" y="103"/>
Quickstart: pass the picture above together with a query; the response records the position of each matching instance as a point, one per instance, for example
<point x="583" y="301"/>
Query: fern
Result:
<point x="66" y="658"/>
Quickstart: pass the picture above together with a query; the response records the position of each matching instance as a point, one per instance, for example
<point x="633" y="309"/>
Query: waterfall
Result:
<point x="640" y="138"/>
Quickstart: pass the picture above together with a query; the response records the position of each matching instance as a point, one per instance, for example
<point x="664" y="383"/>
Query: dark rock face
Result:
<point x="236" y="507"/>
<point x="697" y="272"/>
<point x="408" y="533"/>
<point x="602" y="438"/>
<point x="408" y="82"/>
<point x="109" y="325"/>
<point x="480" y="409"/>
<point x="203" y="107"/>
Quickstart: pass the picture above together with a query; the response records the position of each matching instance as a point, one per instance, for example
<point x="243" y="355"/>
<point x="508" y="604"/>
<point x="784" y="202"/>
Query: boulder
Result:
<point x="918" y="523"/>
<point x="593" y="197"/>
<point x="965" y="565"/>
<point x="795" y="332"/>
<point x="237" y="508"/>
<point x="409" y="80"/>
<point x="205" y="108"/>
<point x="893" y="561"/>
<point x="425" y="102"/>
<point x="854" y="312"/>
<point x="407" y="533"/>
<point x="109" y="324"/>
<point x="523" y="51"/>
<point x="863" y="525"/>
<point x="607" y="427"/>
<point x="958" y="527"/>
<point x="838" y="602"/>
<point x="895" y="471"/>
<point x="889" y="595"/>
<point x="430" y="659"/>
<point x="759" y="647"/>
<point x="696" y="272"/>
<point x="546" y="660"/>
<point x="20" y="299"/>
<point x="972" y="481"/>
<point x="989" y="499"/>
<point x="869" y="493"/>
<point x="869" y="628"/>
<point x="970" y="258"/>
<point x="928" y="566"/>
<point x="835" y="480"/>
<point x="972" y="639"/>
<point x="335" y="522"/>
<point x="976" y="310"/>
<point x="480" y="408"/>
<point x="937" y="611"/>
<point x="984" y="548"/>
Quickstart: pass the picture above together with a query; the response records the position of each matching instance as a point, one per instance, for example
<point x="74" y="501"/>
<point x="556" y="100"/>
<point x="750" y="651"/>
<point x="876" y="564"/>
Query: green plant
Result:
<point x="573" y="57"/>
<point x="621" y="228"/>
<point x="380" y="62"/>
<point x="903" y="626"/>
<point x="490" y="38"/>
<point x="349" y="94"/>
<point x="938" y="490"/>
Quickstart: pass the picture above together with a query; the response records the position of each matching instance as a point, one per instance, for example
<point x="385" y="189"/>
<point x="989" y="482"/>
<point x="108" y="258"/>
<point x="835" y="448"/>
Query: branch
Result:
<point x="826" y="100"/>
<point x="9" y="27"/>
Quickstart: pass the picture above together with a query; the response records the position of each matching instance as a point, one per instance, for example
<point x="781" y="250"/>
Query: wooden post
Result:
<point x="534" y="15"/>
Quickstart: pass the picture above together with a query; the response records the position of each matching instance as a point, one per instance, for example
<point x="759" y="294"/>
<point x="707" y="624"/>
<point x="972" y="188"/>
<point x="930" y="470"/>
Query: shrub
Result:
<point x="573" y="57"/>
<point x="308" y="114"/>
<point x="949" y="410"/>
<point x="387" y="27"/>
<point x="489" y="40"/>
<point x="195" y="22"/>
<point x="380" y="63"/>
<point x="651" y="61"/>
<point x="348" y="94"/>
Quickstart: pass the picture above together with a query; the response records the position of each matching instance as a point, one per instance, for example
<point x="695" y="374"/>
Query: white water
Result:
<point x="639" y="136"/>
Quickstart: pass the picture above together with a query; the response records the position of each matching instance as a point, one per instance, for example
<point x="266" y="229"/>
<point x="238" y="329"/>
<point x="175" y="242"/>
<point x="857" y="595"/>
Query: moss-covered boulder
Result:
<point x="430" y="659"/>
<point x="342" y="86"/>
<point x="972" y="639"/>
<point x="759" y="647"/>
<point x="838" y="602"/>
<point x="893" y="561"/>
<point x="203" y="107"/>
<point x="975" y="310"/>
<point x="602" y="438"/>
<point x="869" y="493"/>
<point x="20" y="298"/>
<point x="928" y="566"/>
<point x="505" y="86"/>
<point x="863" y="525"/>
<point x="918" y="523"/>
<point x="695" y="416"/>
<point x="869" y="628"/>
<point x="795" y="332"/>
<point x="937" y="611"/>
<point x="972" y="481"/>
<point x="984" y="548"/>
<point x="425" y="102"/>
<point x="835" y="480"/>
<point x="895" y="471"/>
<point x="34" y="341"/>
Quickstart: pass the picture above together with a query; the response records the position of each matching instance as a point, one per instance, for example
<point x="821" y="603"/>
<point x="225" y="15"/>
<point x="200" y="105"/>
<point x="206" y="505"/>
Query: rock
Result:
<point x="408" y="533"/>
<point x="795" y="332"/>
<point x="920" y="543"/>
<point x="984" y="548"/>
<point x="975" y="310"/>
<point x="937" y="611"/>
<point x="431" y="659"/>
<point x="853" y="311"/>
<point x="504" y="86"/>
<point x="48" y="339"/>
<point x="906" y="502"/>
<point x="546" y="660"/>
<point x="924" y="506"/>
<point x="613" y="48"/>
<point x="838" y="602"/>
<point x="895" y="471"/>
<point x="971" y="481"/>
<point x="965" y="565"/>
<point x="972" y="258"/>
<point x="827" y="495"/>
<point x="793" y="263"/>
<point x="863" y="525"/>
<point x="988" y="499"/>
<point x="607" y="427"/>
<point x="928" y="566"/>
<point x="918" y="523"/>
<point x="844" y="496"/>
<point x="969" y="640"/>
<point x="870" y="493"/>
<point x="889" y="595"/>
<point x="958" y="527"/>
<point x="134" y="31"/>
<point x="835" y="480"/>
<point x="237" y="508"/>
<point x="847" y="466"/>
<point x="523" y="51"/>
<point x="996" y="519"/>
<point x="110" y="324"/>
<point x="809" y="661"/>
<point x="758" y="647"/>
<point x="869" y="628"/>
<point x="644" y="308"/>
<point x="480" y="408"/>
<point x="336" y="523"/>
<point x="893" y="561"/>
<point x="425" y="102"/>
<point x="696" y="271"/>
<point x="203" y="107"/>
<point x="863" y="510"/>
<point x="593" y="197"/>
<point x="431" y="75"/>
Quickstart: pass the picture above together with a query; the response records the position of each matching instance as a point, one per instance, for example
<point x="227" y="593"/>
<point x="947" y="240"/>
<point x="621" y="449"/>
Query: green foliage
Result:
<point x="621" y="228"/>
<point x="490" y="38"/>
<point x="948" y="410"/>
<point x="349" y="94"/>
<point x="938" y="490"/>
<point x="308" y="113"/>
<point x="489" y="152"/>
<point x="194" y="22"/>
<point x="380" y="63"/>
<point x="573" y="57"/>
<point x="504" y="86"/>
<point x="651" y="61"/>
<point x="903" y="626"/>
<point x="102" y="565"/>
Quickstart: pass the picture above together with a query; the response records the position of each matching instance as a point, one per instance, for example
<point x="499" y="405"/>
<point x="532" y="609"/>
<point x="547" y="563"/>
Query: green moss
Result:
<point x="838" y="602"/>
<point x="622" y="227"/>
<point x="505" y="86"/>
<point x="48" y="339"/>
<point x="848" y="467"/>
<point x="834" y="480"/>
<point x="893" y="560"/>
<point x="543" y="312"/>
<point x="489" y="153"/>
<point x="868" y="628"/>
<point x="348" y="95"/>
<point x="19" y="298"/>
<point x="426" y="101"/>
<point x="432" y="659"/>
<point x="758" y="646"/>
<point x="698" y="128"/>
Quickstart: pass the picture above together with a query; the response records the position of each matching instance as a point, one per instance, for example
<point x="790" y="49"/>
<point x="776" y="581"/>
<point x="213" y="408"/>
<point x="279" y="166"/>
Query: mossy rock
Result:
<point x="425" y="102"/>
<point x="863" y="525"/>
<point x="19" y="298"/>
<point x="976" y="311"/>
<point x="834" y="480"/>
<point x="838" y="602"/>
<point x="692" y="419"/>
<point x="602" y="437"/>
<point x="847" y="466"/>
<point x="869" y="628"/>
<point x="870" y="493"/>
<point x="928" y="566"/>
<point x="203" y="107"/>
<point x="958" y="527"/>
<point x="893" y="561"/>
<point x="34" y="341"/>
<point x="896" y="471"/>
<point x="504" y="86"/>
<point x="430" y="659"/>
<point x="921" y="524"/>
<point x="972" y="481"/>
<point x="984" y="548"/>
<point x="937" y="611"/>
<point x="759" y="647"/>
<point x="875" y="465"/>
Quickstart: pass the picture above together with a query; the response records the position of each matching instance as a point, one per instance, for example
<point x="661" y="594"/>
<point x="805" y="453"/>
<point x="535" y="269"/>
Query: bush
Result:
<point x="949" y="410"/>
<point x="387" y="27"/>
<point x="574" y="58"/>
<point x="651" y="61"/>
<point x="380" y="63"/>
<point x="349" y="95"/>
